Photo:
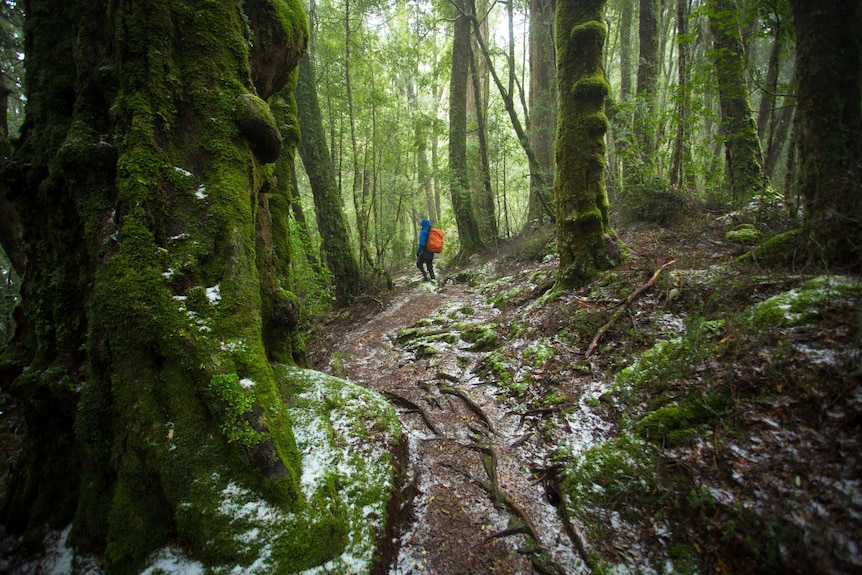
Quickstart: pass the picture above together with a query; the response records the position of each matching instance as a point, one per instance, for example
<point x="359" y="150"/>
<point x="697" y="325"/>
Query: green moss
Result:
<point x="482" y="337"/>
<point x="538" y="354"/>
<point x="745" y="234"/>
<point x="590" y="34"/>
<point x="236" y="401"/>
<point x="804" y="305"/>
<point x="779" y="251"/>
<point x="611" y="474"/>
<point x="257" y="124"/>
<point x="592" y="88"/>
<point x="502" y="370"/>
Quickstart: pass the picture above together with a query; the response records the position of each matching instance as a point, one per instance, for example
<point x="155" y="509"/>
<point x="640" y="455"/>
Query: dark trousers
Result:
<point x="422" y="264"/>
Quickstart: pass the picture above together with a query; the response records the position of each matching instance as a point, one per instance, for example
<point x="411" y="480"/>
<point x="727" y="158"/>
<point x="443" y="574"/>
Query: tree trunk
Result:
<point x="743" y="156"/>
<point x="462" y="205"/>
<point x="543" y="104"/>
<point x="485" y="206"/>
<point x="331" y="223"/>
<point x="626" y="18"/>
<point x="151" y="286"/>
<point x="581" y="202"/>
<point x="829" y="129"/>
<point x="647" y="77"/>
<point x="523" y="139"/>
<point x="681" y="148"/>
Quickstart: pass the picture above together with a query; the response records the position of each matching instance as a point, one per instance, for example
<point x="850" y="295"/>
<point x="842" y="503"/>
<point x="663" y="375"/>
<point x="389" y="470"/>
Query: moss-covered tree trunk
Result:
<point x="154" y="288"/>
<point x="743" y="155"/>
<point x="581" y="201"/>
<point x="338" y="252"/>
<point x="829" y="128"/>
<point x="647" y="76"/>
<point x="459" y="184"/>
<point x="543" y="104"/>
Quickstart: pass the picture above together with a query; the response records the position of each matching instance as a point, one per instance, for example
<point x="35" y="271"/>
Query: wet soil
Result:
<point x="480" y="495"/>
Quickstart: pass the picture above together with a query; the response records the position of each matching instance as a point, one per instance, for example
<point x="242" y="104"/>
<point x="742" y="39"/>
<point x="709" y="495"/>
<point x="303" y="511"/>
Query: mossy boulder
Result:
<point x="744" y="234"/>
<point x="347" y="436"/>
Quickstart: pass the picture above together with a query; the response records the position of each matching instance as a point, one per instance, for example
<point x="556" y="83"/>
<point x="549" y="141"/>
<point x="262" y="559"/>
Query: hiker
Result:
<point x="424" y="258"/>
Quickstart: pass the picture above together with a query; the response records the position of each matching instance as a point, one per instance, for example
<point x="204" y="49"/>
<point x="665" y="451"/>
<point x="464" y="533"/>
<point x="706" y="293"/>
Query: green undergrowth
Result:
<point x="688" y="404"/>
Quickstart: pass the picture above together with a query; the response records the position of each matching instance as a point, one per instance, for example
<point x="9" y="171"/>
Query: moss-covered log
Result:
<point x="155" y="288"/>
<point x="581" y="201"/>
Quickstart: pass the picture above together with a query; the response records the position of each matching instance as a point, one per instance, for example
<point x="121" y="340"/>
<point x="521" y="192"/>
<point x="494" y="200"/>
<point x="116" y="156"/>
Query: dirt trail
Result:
<point x="462" y="432"/>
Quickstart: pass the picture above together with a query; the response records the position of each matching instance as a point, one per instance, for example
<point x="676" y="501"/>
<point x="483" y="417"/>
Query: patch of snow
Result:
<point x="214" y="294"/>
<point x="172" y="561"/>
<point x="183" y="171"/>
<point x="825" y="357"/>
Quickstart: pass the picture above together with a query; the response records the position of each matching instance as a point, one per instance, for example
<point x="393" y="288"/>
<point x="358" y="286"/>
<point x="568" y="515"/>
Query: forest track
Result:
<point x="480" y="494"/>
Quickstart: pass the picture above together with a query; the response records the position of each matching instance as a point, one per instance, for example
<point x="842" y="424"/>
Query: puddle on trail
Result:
<point x="481" y="475"/>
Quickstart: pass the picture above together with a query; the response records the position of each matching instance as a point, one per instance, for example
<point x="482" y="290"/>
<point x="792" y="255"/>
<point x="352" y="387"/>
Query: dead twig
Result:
<point x="522" y="441"/>
<point x="624" y="306"/>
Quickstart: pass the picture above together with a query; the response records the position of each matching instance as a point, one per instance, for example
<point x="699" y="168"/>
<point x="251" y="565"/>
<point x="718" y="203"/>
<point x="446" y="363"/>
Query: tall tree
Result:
<point x="543" y="104"/>
<point x="625" y="30"/>
<point x="743" y="155"/>
<point x="829" y="128"/>
<point x="359" y="203"/>
<point x="140" y="179"/>
<point x="331" y="222"/>
<point x="462" y="205"/>
<point x="583" y="226"/>
<point x="485" y="210"/>
<point x="647" y="76"/>
<point x="508" y="101"/>
<point x="681" y="148"/>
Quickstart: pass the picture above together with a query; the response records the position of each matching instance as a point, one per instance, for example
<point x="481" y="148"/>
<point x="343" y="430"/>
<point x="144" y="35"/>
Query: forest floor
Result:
<point x="537" y="444"/>
<point x="505" y="389"/>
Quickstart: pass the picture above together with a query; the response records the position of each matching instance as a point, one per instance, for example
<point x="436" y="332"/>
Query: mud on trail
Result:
<point x="480" y="493"/>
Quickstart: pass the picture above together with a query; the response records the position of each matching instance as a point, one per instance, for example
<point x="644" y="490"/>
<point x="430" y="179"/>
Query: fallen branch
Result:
<point x="624" y="306"/>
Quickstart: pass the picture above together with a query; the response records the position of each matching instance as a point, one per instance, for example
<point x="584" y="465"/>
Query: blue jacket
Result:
<point x="423" y="239"/>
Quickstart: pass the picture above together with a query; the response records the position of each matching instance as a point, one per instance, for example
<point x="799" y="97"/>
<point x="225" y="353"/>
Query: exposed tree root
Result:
<point x="472" y="404"/>
<point x="624" y="307"/>
<point x="411" y="405"/>
<point x="516" y="530"/>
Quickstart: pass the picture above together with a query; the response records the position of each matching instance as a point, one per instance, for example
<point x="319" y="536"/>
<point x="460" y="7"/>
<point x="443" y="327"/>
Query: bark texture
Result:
<point x="459" y="186"/>
<point x="543" y="104"/>
<point x="829" y="128"/>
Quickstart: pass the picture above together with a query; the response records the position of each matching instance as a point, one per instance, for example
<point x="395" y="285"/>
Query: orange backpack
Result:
<point x="435" y="241"/>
